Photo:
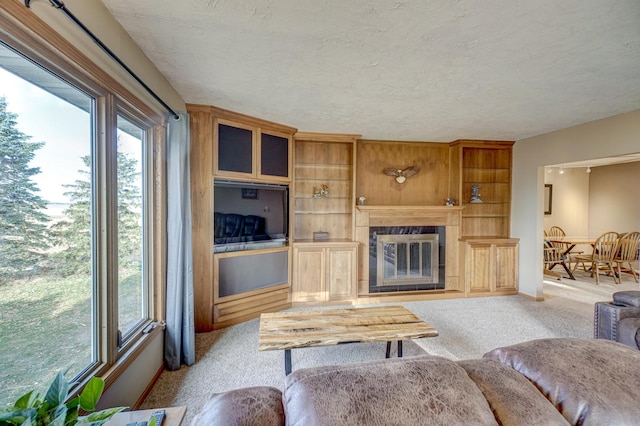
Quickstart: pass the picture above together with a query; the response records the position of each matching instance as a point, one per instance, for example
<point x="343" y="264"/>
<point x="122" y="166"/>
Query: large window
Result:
<point x="75" y="274"/>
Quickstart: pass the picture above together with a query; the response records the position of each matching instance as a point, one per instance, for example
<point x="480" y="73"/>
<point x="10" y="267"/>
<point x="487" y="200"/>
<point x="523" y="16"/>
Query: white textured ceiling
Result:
<point x="403" y="70"/>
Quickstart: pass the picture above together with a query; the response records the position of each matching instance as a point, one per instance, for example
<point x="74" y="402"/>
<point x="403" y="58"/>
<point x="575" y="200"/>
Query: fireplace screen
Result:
<point x="407" y="259"/>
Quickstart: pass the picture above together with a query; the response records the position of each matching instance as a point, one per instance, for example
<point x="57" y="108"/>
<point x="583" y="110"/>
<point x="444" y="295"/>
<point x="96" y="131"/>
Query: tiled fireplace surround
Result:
<point x="441" y="220"/>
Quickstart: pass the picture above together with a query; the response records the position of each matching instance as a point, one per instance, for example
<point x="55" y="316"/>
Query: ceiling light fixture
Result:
<point x="561" y="170"/>
<point x="588" y="168"/>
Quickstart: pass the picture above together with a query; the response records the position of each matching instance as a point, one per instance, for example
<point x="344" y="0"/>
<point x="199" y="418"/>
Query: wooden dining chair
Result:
<point x="552" y="256"/>
<point x="602" y="257"/>
<point x="627" y="252"/>
<point x="556" y="232"/>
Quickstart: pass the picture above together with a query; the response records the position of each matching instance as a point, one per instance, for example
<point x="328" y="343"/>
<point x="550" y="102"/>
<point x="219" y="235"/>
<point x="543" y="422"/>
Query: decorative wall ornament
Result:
<point x="401" y="175"/>
<point x="475" y="196"/>
<point x="322" y="192"/>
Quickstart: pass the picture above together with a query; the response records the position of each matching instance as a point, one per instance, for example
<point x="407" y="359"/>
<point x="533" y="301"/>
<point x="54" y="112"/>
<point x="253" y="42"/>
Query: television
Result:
<point x="249" y="216"/>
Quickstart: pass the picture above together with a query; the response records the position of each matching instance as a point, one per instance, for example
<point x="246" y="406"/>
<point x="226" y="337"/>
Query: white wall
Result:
<point x="616" y="135"/>
<point x="570" y="203"/>
<point x="614" y="198"/>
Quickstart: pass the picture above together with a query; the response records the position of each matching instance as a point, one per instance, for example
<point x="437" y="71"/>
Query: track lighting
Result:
<point x="561" y="170"/>
<point x="588" y="169"/>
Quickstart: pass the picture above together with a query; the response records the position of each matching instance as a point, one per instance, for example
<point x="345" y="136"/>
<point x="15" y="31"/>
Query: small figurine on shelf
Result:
<point x="361" y="201"/>
<point x="475" y="196"/>
<point x="450" y="202"/>
<point x="322" y="192"/>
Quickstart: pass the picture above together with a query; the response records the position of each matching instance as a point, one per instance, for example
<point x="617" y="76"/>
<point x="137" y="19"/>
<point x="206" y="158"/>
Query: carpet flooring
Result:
<point x="229" y="358"/>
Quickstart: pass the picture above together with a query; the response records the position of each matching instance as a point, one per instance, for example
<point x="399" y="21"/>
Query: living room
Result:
<point x="611" y="129"/>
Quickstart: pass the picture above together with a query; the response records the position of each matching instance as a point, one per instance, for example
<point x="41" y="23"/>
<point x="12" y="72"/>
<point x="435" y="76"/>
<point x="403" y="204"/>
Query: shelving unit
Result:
<point x="324" y="271"/>
<point x="322" y="159"/>
<point x="489" y="167"/>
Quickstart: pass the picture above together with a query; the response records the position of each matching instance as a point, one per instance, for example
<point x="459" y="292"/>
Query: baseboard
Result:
<point x="535" y="299"/>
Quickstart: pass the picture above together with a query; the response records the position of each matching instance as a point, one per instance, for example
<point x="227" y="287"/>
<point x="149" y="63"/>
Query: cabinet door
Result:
<point x="234" y="150"/>
<point x="506" y="267"/>
<point x="309" y="275"/>
<point x="479" y="267"/>
<point x="341" y="273"/>
<point x="274" y="156"/>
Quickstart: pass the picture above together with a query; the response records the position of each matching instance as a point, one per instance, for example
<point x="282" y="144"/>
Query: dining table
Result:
<point x="570" y="243"/>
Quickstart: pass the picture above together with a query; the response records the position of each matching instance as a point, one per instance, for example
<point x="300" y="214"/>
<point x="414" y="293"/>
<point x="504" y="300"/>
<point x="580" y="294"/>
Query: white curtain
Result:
<point x="179" y="344"/>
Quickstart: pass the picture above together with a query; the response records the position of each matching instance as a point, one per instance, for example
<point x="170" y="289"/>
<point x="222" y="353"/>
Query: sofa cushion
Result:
<point x="402" y="391"/>
<point x="630" y="298"/>
<point x="513" y="399"/>
<point x="260" y="405"/>
<point x="591" y="382"/>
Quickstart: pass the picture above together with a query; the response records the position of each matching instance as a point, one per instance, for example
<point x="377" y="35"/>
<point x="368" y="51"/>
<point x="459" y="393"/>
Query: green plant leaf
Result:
<point x="18" y="417"/>
<point x="28" y="400"/>
<point x="91" y="394"/>
<point x="99" y="417"/>
<point x="58" y="390"/>
<point x="60" y="416"/>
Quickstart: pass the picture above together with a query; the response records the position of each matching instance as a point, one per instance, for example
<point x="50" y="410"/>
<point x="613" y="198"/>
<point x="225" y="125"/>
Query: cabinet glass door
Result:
<point x="235" y="149"/>
<point x="274" y="155"/>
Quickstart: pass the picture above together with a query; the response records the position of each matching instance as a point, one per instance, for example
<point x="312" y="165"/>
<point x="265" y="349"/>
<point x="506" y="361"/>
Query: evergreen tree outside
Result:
<point x="23" y="221"/>
<point x="129" y="212"/>
<point x="72" y="235"/>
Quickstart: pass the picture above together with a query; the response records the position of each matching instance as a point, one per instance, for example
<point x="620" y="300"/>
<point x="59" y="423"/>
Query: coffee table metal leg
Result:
<point x="388" y="355"/>
<point x="287" y="362"/>
<point x="399" y="348"/>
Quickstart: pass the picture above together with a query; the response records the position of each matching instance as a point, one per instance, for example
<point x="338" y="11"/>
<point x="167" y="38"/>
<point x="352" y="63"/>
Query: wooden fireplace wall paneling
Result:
<point x="430" y="187"/>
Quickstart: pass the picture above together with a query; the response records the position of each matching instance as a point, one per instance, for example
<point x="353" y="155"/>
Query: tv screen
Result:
<point x="250" y="216"/>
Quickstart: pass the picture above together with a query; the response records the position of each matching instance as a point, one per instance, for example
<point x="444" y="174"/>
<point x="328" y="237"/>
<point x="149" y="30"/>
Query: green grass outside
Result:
<point x="45" y="326"/>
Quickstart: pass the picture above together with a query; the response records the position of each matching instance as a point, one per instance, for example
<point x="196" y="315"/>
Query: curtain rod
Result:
<point x="60" y="5"/>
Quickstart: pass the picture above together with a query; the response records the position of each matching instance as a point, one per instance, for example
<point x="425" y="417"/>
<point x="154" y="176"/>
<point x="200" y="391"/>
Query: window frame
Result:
<point x="24" y="32"/>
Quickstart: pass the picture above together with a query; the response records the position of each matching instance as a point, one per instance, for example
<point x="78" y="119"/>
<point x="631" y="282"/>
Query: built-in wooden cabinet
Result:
<point x="490" y="265"/>
<point x="233" y="286"/>
<point x="324" y="271"/>
<point x="324" y="200"/>
<point x="488" y="256"/>
<point x="487" y="166"/>
<point x="249" y="151"/>
<point x="321" y="254"/>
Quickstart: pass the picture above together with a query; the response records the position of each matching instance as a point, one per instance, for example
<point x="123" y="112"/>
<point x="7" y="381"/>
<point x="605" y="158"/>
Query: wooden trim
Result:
<point x="246" y="119"/>
<point x="535" y="299"/>
<point x="476" y="143"/>
<point x="326" y="137"/>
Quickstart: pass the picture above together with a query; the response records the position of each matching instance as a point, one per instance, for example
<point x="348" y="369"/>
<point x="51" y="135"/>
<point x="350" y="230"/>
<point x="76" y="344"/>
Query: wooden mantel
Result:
<point x="411" y="215"/>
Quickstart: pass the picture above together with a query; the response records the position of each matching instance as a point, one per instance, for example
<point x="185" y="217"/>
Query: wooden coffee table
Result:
<point x="303" y="329"/>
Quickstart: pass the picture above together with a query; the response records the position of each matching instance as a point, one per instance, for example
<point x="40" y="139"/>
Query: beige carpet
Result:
<point x="229" y="359"/>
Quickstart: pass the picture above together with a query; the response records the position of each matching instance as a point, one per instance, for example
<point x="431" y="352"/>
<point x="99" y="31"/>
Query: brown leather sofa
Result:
<point x="540" y="382"/>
